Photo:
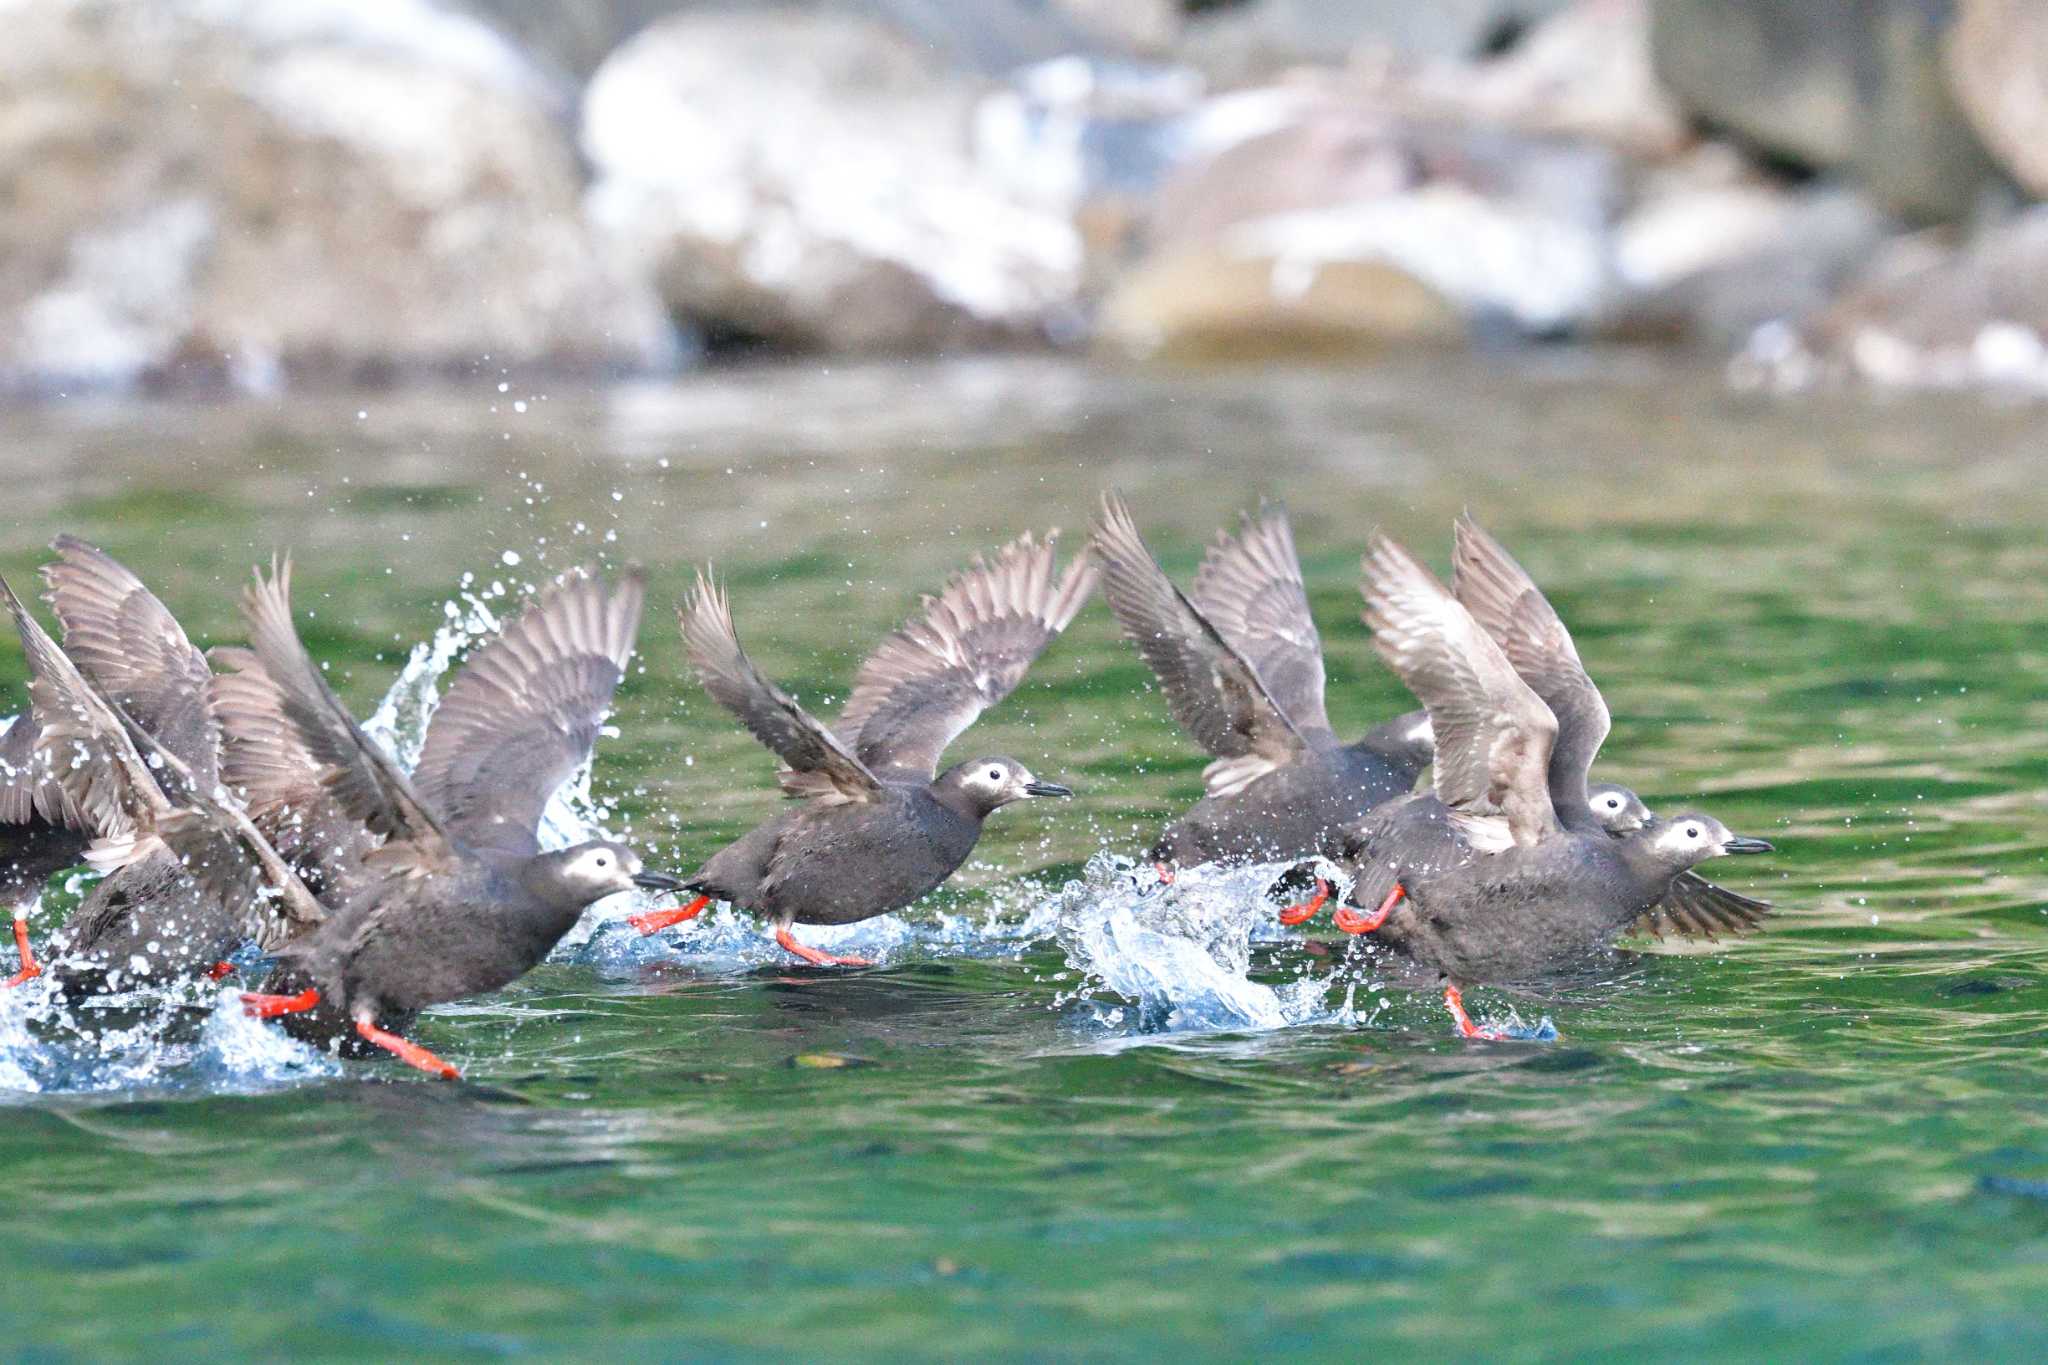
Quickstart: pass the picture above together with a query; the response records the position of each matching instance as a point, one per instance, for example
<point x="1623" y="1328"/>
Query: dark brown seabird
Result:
<point x="1242" y="667"/>
<point x="877" y="825"/>
<point x="1491" y="880"/>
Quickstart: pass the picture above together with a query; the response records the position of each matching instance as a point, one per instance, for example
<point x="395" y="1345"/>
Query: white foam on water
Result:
<point x="1164" y="959"/>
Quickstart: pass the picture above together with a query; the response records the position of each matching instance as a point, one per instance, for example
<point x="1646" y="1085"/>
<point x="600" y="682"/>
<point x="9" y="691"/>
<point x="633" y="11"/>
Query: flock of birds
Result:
<point x="232" y="798"/>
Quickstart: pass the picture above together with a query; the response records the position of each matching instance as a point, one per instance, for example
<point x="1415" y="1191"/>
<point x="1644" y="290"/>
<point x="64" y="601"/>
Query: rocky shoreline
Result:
<point x="244" y="195"/>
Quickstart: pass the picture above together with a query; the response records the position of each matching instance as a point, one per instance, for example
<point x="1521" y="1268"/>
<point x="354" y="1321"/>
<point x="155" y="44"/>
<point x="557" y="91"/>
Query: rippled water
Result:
<point x="1072" y="1114"/>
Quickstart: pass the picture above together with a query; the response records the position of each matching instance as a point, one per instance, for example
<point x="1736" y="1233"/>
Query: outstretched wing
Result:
<point x="1696" y="908"/>
<point x="819" y="765"/>
<point x="929" y="680"/>
<point x="266" y="764"/>
<point x="524" y="713"/>
<point x="28" y="792"/>
<point x="98" y="755"/>
<point x="1250" y="589"/>
<point x="350" y="766"/>
<point x="1213" y="690"/>
<point x="134" y="651"/>
<point x="1493" y="734"/>
<point x="1513" y="610"/>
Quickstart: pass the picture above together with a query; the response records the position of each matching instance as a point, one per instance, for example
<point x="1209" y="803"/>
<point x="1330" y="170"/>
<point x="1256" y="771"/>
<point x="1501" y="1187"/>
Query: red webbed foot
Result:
<point x="1454" y="1001"/>
<point x="30" y="968"/>
<point x="813" y="956"/>
<point x="219" y="971"/>
<point x="654" y="921"/>
<point x="1166" y="873"/>
<point x="259" y="1006"/>
<point x="1306" y="910"/>
<point x="1351" y="922"/>
<point x="411" y="1053"/>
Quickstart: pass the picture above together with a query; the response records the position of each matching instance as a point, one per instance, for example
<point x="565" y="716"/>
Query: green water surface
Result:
<point x="1820" y="618"/>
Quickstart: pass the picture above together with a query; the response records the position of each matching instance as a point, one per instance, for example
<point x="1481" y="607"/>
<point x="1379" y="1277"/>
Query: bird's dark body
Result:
<point x="146" y="924"/>
<point x="1524" y="913"/>
<point x="467" y="932"/>
<point x="1302" y="808"/>
<point x="839" y="864"/>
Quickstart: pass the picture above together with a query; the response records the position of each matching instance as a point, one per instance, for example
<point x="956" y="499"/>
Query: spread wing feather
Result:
<point x="1509" y="606"/>
<point x="1212" y="689"/>
<point x="929" y="680"/>
<point x="1696" y="908"/>
<point x="361" y="776"/>
<point x="1250" y="588"/>
<point x="1493" y="734"/>
<point x="524" y="713"/>
<point x="134" y="651"/>
<point x="819" y="764"/>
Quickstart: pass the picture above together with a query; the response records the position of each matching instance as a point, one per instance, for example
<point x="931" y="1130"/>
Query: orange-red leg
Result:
<point x="411" y="1053"/>
<point x="1351" y="922"/>
<point x="813" y="956"/>
<point x="1306" y="910"/>
<point x="1166" y="873"/>
<point x="1454" y="1001"/>
<point x="654" y="921"/>
<point x="30" y="968"/>
<point x="219" y="971"/>
<point x="259" y="1006"/>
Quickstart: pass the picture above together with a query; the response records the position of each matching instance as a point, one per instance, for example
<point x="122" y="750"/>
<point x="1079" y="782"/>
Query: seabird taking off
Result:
<point x="457" y="899"/>
<point x="877" y="825"/>
<point x="1242" y="667"/>
<point x="1490" y="880"/>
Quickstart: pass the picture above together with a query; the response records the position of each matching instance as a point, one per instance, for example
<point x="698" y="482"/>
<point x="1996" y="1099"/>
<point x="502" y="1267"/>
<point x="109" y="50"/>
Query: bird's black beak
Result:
<point x="1046" y="789"/>
<point x="657" y="881"/>
<point x="1738" y="844"/>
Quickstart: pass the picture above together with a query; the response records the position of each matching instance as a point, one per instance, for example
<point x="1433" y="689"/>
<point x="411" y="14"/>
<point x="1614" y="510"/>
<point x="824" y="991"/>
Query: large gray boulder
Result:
<point x="208" y="191"/>
<point x="1858" y="87"/>
<point x="808" y="180"/>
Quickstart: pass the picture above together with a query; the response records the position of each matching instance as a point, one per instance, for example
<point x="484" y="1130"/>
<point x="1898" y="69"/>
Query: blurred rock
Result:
<point x="244" y="191"/>
<point x="1925" y="313"/>
<point x="807" y="180"/>
<point x="1249" y="41"/>
<point x="1858" y="87"/>
<point x="1998" y="68"/>
<point x="1495" y="230"/>
<point x="1713" y="249"/>
<point x="1584" y="72"/>
<point x="1208" y="303"/>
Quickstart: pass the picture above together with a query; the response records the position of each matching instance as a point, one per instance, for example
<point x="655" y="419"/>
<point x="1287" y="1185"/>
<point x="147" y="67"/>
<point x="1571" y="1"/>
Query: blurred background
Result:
<point x="206" y="196"/>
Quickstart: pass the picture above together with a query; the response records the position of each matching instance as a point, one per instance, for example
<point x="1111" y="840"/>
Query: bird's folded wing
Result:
<point x="523" y="715"/>
<point x="133" y="650"/>
<point x="819" y="765"/>
<point x="1508" y="606"/>
<point x="929" y="680"/>
<point x="1493" y="734"/>
<point x="1212" y="689"/>
<point x="1696" y="908"/>
<point x="1249" y="587"/>
<point x="361" y="776"/>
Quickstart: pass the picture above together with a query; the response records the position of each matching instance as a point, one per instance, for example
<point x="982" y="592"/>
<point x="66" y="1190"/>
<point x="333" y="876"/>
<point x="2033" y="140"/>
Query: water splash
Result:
<point x="1177" y="959"/>
<point x="173" y="1040"/>
<point x="1010" y="919"/>
<point x="401" y="720"/>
